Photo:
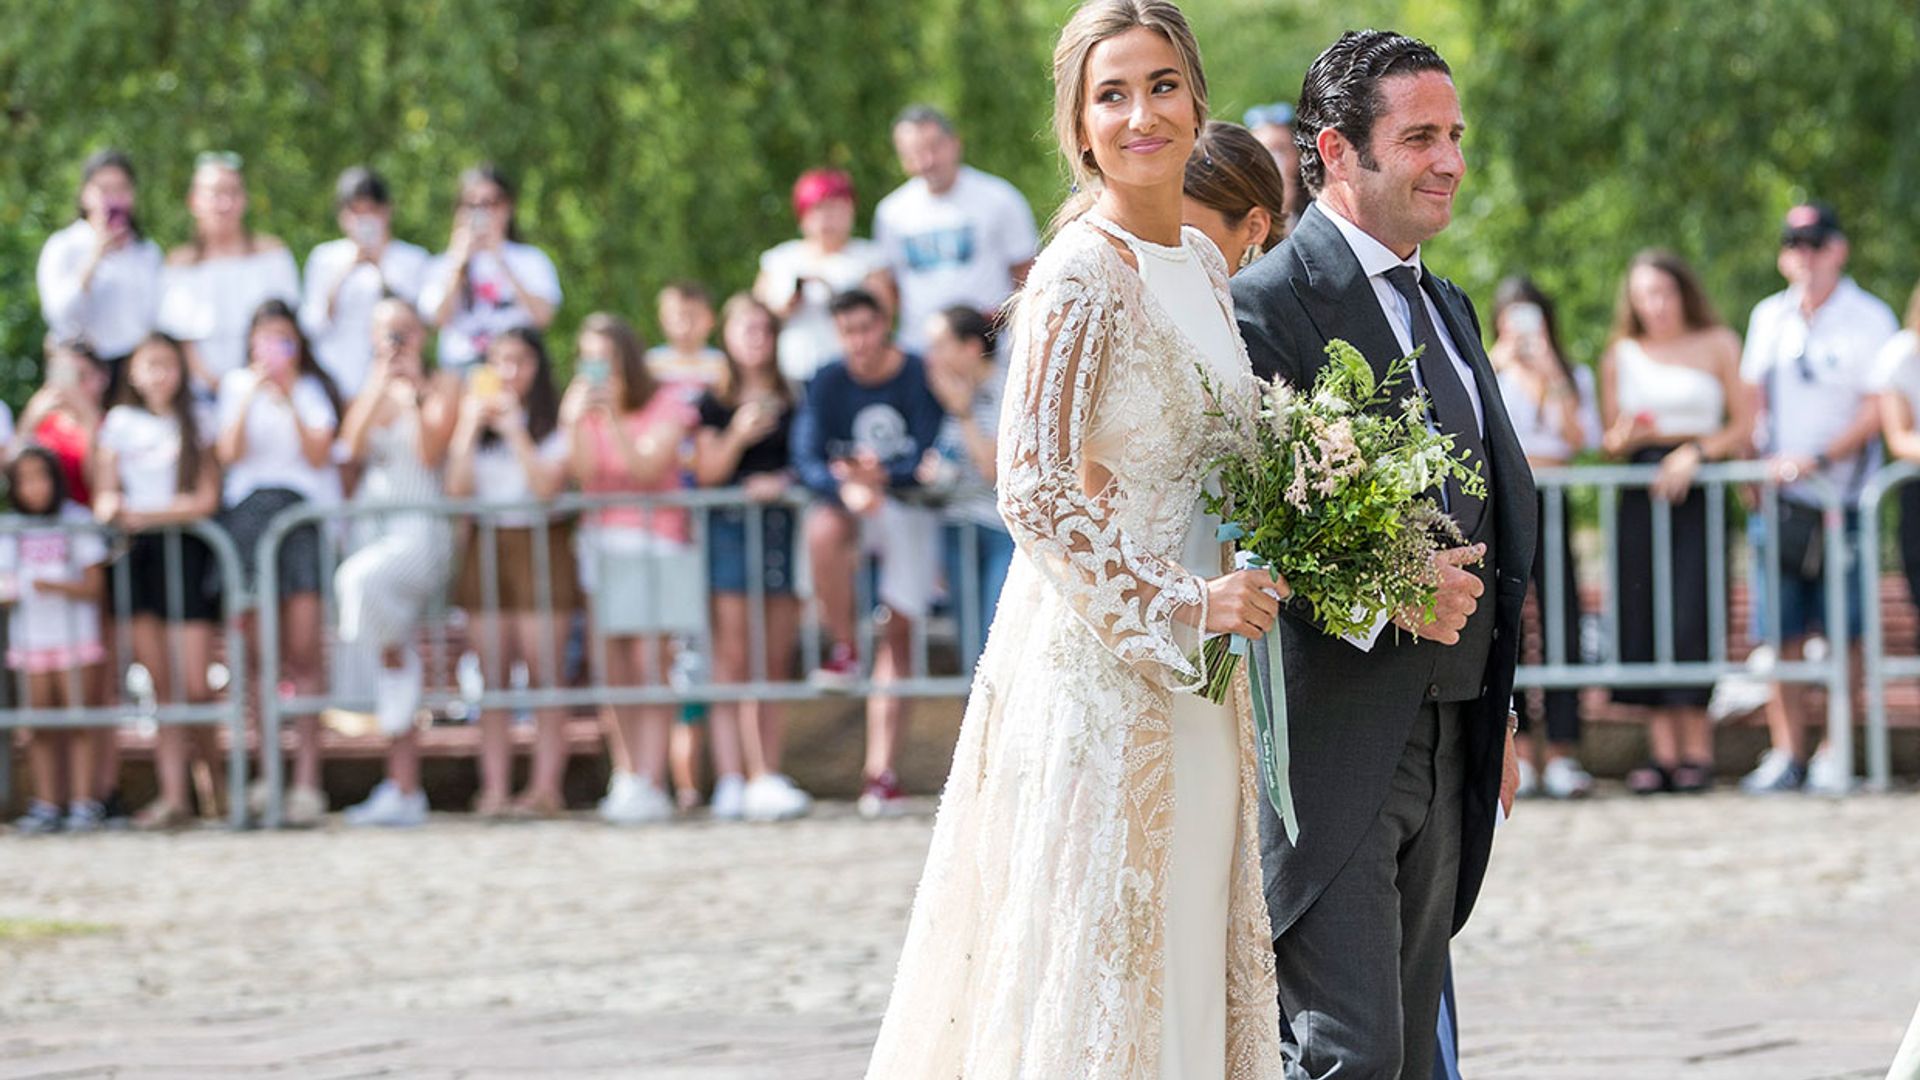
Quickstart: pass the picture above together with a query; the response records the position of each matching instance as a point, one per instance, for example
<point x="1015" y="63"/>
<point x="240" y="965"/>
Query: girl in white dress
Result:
<point x="1091" y="905"/>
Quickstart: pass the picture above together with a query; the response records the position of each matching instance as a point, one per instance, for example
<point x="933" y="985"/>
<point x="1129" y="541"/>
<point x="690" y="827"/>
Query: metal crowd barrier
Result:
<point x="484" y="520"/>
<point x="1880" y="668"/>
<point x="229" y="710"/>
<point x="1664" y="670"/>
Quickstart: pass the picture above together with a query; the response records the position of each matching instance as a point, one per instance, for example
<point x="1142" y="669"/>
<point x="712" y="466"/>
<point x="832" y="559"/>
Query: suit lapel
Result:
<point x="1337" y="296"/>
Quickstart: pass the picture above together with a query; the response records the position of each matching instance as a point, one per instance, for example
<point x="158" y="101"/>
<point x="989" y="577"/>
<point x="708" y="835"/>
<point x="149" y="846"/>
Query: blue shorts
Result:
<point x="1803" y="603"/>
<point x="727" y="550"/>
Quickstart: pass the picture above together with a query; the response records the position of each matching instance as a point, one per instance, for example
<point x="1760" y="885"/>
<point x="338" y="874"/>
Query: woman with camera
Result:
<point x="1551" y="403"/>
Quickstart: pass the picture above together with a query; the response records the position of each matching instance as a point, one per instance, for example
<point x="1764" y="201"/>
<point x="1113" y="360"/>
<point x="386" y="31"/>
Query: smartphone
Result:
<point x="277" y="355"/>
<point x="484" y="383"/>
<point x="595" y="370"/>
<point x="367" y="231"/>
<point x="1525" y="319"/>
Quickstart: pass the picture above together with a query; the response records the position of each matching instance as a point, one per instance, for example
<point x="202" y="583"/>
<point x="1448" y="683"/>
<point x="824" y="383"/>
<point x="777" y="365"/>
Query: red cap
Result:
<point x="816" y="186"/>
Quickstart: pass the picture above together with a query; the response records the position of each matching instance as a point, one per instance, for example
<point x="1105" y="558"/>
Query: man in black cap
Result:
<point x="1810" y="353"/>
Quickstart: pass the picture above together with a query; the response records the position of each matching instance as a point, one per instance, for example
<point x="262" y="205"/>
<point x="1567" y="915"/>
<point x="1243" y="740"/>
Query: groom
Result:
<point x="1397" y="744"/>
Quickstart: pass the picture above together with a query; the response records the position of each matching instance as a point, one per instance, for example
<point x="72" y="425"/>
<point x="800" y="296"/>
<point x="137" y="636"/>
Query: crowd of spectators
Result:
<point x="852" y="400"/>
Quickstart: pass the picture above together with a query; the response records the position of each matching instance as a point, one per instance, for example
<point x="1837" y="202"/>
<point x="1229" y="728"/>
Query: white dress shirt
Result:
<point x="1375" y="260"/>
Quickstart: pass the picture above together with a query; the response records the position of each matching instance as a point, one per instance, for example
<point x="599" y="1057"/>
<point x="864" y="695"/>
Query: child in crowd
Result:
<point x="688" y="365"/>
<point x="687" y="361"/>
<point x="54" y="579"/>
<point x="153" y="471"/>
<point x="625" y="431"/>
<point x="508" y="448"/>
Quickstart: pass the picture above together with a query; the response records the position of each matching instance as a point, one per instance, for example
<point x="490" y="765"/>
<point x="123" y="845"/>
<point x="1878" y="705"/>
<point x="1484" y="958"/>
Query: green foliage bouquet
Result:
<point x="1333" y="489"/>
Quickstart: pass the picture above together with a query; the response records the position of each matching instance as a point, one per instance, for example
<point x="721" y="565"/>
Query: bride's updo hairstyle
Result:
<point x="1094" y="22"/>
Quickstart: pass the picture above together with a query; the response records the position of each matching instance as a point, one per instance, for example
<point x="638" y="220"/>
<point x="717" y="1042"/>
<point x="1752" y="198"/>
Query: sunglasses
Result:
<point x="225" y="159"/>
<point x="1804" y="243"/>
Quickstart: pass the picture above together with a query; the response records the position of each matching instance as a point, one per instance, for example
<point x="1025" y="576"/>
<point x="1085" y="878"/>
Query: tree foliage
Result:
<point x="658" y="139"/>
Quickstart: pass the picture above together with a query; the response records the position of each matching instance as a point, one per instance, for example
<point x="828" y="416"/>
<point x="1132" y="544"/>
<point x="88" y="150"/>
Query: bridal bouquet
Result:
<point x="1333" y="489"/>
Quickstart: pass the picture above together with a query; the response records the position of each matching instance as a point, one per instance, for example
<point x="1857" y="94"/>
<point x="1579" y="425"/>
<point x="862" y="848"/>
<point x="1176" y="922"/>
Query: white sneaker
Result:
<point x="305" y="807"/>
<point x="635" y="802"/>
<point x="1563" y="778"/>
<point x="1827" y="775"/>
<point x="397" y="696"/>
<point x="388" y="807"/>
<point x="1776" y="772"/>
<point x="619" y="792"/>
<point x="729" y="797"/>
<point x="1529" y="778"/>
<point x="774" y="797"/>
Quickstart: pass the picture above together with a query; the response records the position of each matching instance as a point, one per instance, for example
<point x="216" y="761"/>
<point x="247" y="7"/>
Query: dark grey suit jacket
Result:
<point x="1349" y="711"/>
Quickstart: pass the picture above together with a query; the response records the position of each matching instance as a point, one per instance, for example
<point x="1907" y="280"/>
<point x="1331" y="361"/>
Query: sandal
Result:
<point x="1692" y="778"/>
<point x="540" y="807"/>
<point x="491" y="808"/>
<point x="159" y="816"/>
<point x="1649" y="779"/>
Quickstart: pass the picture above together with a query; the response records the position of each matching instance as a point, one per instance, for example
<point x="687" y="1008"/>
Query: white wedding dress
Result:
<point x="1091" y="905"/>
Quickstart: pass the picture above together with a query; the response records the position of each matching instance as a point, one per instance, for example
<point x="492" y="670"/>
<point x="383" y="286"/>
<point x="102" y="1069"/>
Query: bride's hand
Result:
<point x="1244" y="602"/>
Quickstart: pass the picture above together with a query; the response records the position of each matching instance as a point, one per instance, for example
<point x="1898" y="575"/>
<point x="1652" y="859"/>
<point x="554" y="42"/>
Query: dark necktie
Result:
<point x="1452" y="409"/>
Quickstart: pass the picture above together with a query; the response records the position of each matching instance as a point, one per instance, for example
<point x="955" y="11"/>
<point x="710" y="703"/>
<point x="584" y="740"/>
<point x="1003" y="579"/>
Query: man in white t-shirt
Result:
<point x="952" y="234"/>
<point x="346" y="278"/>
<point x="1810" y="355"/>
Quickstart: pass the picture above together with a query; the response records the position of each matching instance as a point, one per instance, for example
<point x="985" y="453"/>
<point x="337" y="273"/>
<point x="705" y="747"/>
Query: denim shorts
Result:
<point x="727" y="550"/>
<point x="1803" y="603"/>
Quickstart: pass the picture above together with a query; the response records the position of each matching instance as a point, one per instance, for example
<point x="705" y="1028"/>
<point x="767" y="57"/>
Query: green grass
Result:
<point x="12" y="930"/>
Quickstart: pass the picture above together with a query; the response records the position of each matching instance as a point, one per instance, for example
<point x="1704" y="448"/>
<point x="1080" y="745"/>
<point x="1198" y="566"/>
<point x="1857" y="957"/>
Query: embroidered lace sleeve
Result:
<point x="1143" y="607"/>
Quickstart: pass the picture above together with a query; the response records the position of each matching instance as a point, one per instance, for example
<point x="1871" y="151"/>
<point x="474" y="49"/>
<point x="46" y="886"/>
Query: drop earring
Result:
<point x="1254" y="251"/>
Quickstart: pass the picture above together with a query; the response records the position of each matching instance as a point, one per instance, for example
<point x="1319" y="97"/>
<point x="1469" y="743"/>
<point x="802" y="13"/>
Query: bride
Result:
<point x="1091" y="905"/>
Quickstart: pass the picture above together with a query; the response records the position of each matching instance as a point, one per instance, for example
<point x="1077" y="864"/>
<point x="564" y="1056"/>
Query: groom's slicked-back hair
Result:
<point x="1342" y="92"/>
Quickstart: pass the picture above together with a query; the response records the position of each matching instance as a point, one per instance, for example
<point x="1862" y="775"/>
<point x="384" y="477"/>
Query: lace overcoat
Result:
<point x="1035" y="949"/>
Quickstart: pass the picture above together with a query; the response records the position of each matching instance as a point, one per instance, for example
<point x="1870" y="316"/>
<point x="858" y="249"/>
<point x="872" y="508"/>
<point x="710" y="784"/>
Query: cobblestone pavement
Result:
<point x="1705" y="939"/>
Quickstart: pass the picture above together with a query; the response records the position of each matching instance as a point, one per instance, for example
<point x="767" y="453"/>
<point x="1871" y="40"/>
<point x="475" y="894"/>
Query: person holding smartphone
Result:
<point x="487" y="282"/>
<point x="99" y="277"/>
<point x="276" y="418"/>
<point x="1551" y="403"/>
<point x="347" y="277"/>
<point x="799" y="278"/>
<point x="638" y="566"/>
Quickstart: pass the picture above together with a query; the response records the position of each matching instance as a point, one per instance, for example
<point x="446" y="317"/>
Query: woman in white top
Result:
<point x="1092" y="905"/>
<point x="1897" y="373"/>
<point x="152" y="470"/>
<point x="507" y="448"/>
<point x="397" y="431"/>
<point x="99" y="277"/>
<point x="487" y="282"/>
<point x="1551" y="403"/>
<point x="798" y="277"/>
<point x="1670" y="393"/>
<point x="346" y="278"/>
<point x="277" y="418"/>
<point x="210" y="288"/>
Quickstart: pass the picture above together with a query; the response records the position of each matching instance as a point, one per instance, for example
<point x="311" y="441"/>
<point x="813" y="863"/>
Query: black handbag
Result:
<point x="1802" y="543"/>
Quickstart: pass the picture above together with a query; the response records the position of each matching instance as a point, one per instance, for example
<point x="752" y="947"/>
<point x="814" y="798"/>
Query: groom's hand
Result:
<point x="1459" y="594"/>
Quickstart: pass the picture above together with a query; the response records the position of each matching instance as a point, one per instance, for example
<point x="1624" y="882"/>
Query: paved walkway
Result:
<point x="1692" y="939"/>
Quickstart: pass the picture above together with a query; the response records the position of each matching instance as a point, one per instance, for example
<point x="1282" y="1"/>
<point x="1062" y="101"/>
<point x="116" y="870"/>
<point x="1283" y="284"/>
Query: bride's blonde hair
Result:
<point x="1094" y="22"/>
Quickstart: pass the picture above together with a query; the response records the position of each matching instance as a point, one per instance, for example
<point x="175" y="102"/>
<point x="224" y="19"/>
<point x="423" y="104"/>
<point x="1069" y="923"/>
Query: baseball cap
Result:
<point x="1279" y="113"/>
<point x="1810" y="222"/>
<point x="816" y="186"/>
